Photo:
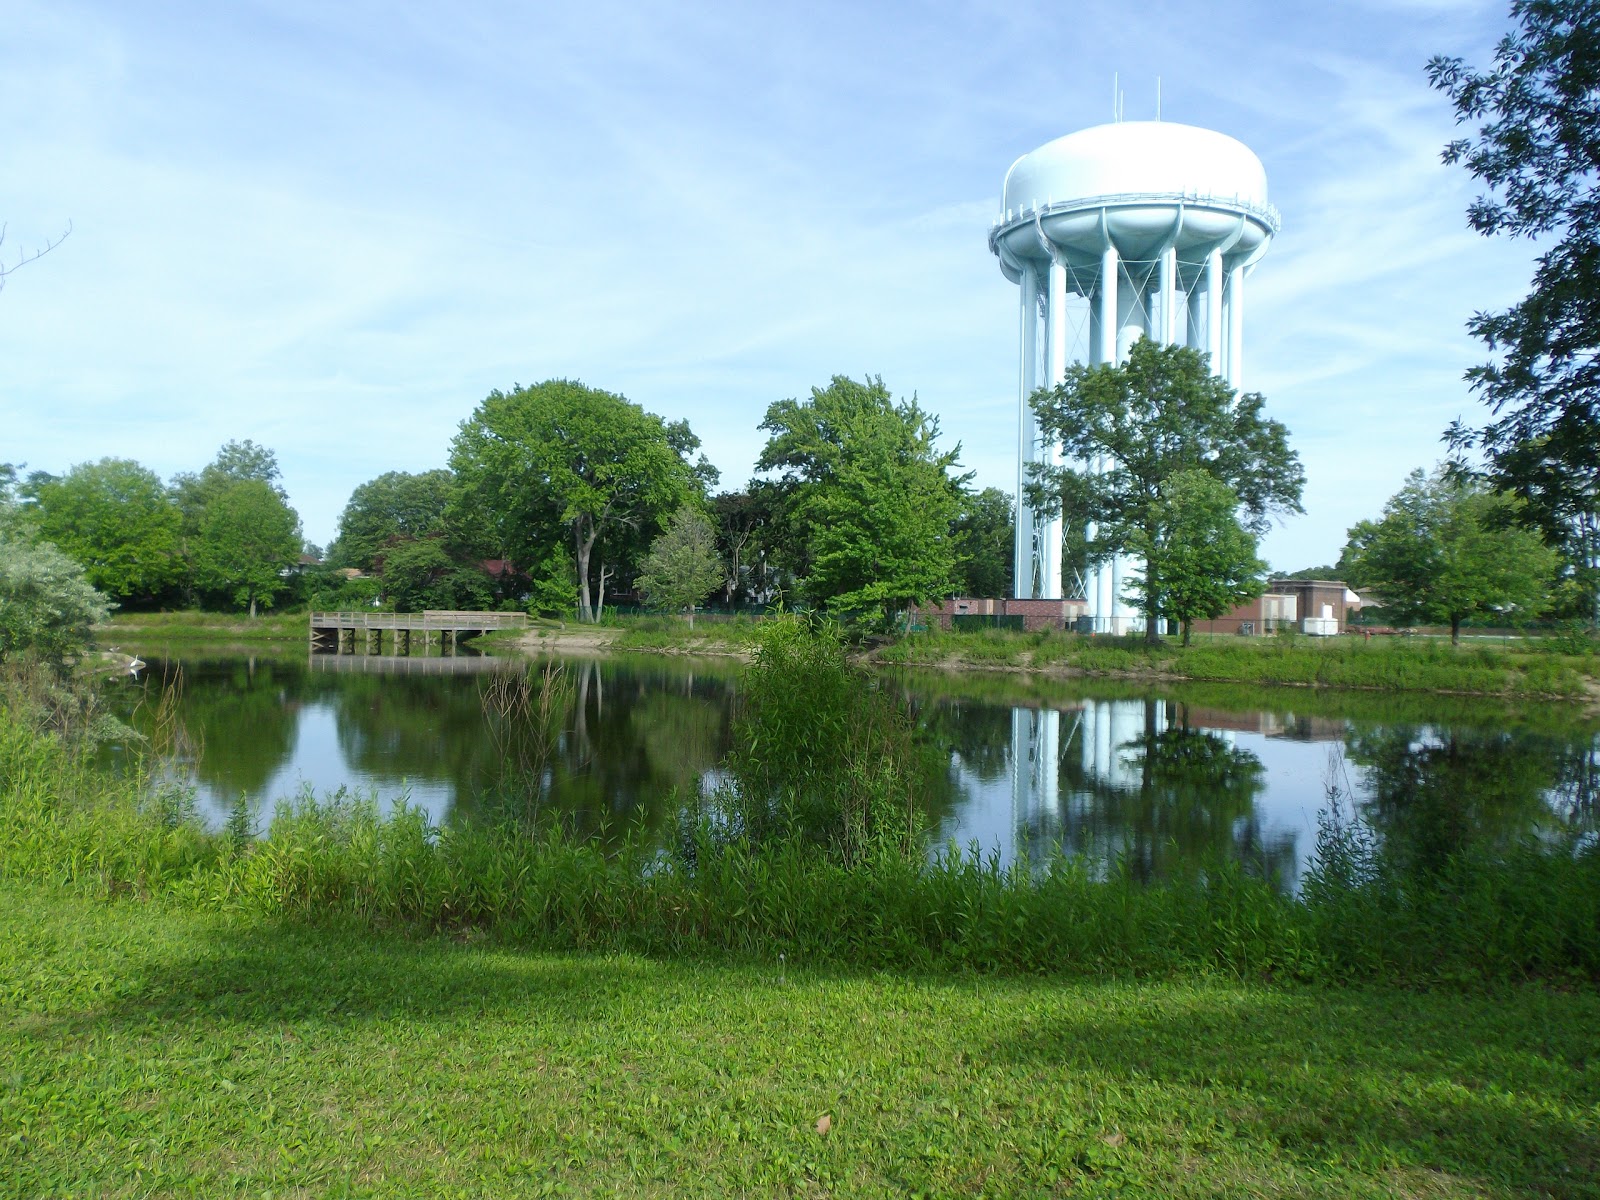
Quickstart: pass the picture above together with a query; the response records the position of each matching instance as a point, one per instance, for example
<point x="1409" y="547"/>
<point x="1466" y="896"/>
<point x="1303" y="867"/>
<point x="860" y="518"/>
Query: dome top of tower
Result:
<point x="1158" y="158"/>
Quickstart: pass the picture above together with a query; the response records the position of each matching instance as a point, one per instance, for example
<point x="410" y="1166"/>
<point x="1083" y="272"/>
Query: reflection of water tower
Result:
<point x="1140" y="228"/>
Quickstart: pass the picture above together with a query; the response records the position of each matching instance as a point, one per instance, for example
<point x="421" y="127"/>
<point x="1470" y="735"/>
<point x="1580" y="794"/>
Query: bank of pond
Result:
<point x="1066" y="825"/>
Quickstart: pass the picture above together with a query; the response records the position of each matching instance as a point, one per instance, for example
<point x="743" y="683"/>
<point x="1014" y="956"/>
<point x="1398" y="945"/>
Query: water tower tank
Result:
<point x="1134" y="229"/>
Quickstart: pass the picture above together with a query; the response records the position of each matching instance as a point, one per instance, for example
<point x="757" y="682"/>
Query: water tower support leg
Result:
<point x="1214" y="310"/>
<point x="1235" y="302"/>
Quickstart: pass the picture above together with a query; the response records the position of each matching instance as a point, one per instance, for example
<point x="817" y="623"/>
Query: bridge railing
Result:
<point x="427" y="620"/>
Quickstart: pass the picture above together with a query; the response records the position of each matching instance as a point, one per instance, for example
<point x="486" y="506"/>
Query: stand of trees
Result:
<point x="224" y="536"/>
<point x="1446" y="550"/>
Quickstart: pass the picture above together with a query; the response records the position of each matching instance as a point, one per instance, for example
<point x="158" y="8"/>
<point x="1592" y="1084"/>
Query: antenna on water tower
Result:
<point x="1116" y="90"/>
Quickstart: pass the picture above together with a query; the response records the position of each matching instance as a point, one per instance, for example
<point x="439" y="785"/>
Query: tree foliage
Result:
<point x="1537" y="149"/>
<point x="563" y="462"/>
<point x="985" y="533"/>
<point x="47" y="606"/>
<point x="117" y="520"/>
<point x="865" y="495"/>
<point x="421" y="574"/>
<point x="248" y="538"/>
<point x="1160" y="413"/>
<point x="396" y="506"/>
<point x="683" y="565"/>
<point x="1447" y="549"/>
<point x="1200" y="561"/>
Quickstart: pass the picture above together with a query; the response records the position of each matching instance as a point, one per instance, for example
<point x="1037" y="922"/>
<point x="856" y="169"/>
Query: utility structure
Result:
<point x="1121" y="231"/>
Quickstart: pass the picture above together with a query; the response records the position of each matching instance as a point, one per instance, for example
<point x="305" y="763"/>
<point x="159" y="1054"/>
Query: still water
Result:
<point x="1155" y="778"/>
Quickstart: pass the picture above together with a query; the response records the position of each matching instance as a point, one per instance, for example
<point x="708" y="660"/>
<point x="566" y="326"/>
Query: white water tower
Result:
<point x="1134" y="229"/>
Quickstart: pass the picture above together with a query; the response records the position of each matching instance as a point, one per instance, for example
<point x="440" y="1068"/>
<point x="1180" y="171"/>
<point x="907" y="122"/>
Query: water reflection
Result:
<point x="1432" y="792"/>
<point x="1158" y="782"/>
<point x="1127" y="781"/>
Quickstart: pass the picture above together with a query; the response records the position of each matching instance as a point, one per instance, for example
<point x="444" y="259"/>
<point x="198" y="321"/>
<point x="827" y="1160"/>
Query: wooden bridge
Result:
<point x="335" y="632"/>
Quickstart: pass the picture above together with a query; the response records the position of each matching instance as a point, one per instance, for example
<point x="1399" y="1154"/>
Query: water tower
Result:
<point x="1134" y="229"/>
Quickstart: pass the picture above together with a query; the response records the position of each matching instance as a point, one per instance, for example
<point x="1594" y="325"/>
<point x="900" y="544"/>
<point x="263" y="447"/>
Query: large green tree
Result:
<point x="396" y="506"/>
<point x="1537" y="148"/>
<point x="683" y="564"/>
<point x="866" y="495"/>
<point x="1447" y="549"/>
<point x="561" y="461"/>
<point x="248" y="541"/>
<point x="1199" y="561"/>
<point x="117" y="520"/>
<point x="985" y="538"/>
<point x="1159" y="413"/>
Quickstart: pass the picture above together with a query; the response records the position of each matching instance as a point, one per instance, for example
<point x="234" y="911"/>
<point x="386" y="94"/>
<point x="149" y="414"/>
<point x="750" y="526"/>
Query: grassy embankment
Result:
<point x="1391" y="664"/>
<point x="152" y="1051"/>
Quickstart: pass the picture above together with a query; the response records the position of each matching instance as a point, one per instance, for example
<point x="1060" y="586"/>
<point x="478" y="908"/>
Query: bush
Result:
<point x="822" y="753"/>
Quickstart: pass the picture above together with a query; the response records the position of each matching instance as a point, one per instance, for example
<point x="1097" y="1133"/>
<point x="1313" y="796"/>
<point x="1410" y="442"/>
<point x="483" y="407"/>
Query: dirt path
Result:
<point x="578" y="639"/>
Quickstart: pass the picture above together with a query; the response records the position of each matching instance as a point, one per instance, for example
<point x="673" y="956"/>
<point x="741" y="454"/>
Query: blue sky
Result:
<point x="333" y="228"/>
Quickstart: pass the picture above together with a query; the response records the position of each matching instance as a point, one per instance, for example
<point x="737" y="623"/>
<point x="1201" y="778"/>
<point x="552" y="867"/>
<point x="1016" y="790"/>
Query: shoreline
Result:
<point x="1581" y="687"/>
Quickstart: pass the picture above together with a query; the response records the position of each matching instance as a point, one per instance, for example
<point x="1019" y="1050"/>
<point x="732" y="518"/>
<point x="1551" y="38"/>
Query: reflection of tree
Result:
<point x="241" y="715"/>
<point x="1187" y="799"/>
<point x="979" y="733"/>
<point x="1431" y="793"/>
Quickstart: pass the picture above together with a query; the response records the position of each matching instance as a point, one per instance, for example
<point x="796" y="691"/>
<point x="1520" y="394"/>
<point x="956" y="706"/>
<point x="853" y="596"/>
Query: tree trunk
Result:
<point x="1455" y="631"/>
<point x="582" y="546"/>
<point x="600" y="602"/>
<point x="691" y="616"/>
<point x="1152" y="631"/>
<point x="252" y="606"/>
<point x="1188" y="628"/>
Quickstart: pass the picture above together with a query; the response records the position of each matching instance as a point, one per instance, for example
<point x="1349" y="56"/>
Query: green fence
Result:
<point x="986" y="621"/>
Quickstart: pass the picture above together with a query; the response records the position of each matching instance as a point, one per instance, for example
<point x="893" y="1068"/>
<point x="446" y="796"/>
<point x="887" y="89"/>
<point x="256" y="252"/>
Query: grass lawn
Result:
<point x="147" y="1051"/>
<point x="195" y="629"/>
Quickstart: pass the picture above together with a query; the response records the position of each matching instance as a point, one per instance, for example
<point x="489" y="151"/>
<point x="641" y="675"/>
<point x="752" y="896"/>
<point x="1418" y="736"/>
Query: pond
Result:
<point x="1156" y="779"/>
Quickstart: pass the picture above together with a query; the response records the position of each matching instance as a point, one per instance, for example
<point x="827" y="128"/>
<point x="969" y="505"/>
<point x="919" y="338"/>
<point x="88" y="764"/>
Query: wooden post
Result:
<point x="402" y="642"/>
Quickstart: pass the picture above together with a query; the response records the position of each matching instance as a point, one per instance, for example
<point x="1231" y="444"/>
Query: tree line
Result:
<point x="556" y="498"/>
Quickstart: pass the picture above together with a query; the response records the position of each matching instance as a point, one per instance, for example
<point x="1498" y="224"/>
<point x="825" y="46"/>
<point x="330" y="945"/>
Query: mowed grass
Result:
<point x="146" y="1051"/>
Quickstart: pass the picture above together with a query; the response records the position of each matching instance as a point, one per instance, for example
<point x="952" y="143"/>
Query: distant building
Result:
<point x="1313" y="606"/>
<point x="1317" y="607"/>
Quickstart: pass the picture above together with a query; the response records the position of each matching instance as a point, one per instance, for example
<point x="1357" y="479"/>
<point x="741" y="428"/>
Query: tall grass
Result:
<point x="822" y="754"/>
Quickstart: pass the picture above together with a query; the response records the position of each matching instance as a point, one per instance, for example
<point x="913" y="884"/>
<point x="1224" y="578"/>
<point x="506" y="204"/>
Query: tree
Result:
<point x="682" y="565"/>
<point x="422" y="574"/>
<point x="117" y="520"/>
<point x="394" y="506"/>
<point x="1201" y="561"/>
<point x="1160" y="413"/>
<point x="47" y="607"/>
<point x="742" y="523"/>
<point x="1446" y="549"/>
<point x="1537" y="148"/>
<point x="248" y="538"/>
<point x="865" y="495"/>
<point x="561" y="460"/>
<point x="985" y="534"/>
